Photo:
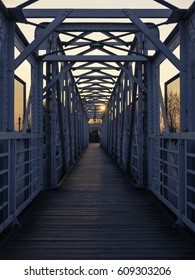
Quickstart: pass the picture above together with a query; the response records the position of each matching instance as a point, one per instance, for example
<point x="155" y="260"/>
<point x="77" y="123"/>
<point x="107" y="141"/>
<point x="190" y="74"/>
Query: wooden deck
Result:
<point x="97" y="215"/>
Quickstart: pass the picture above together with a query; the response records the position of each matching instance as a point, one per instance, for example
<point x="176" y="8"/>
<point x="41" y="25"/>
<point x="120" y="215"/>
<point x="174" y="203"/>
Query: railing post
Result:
<point x="182" y="177"/>
<point x="12" y="177"/>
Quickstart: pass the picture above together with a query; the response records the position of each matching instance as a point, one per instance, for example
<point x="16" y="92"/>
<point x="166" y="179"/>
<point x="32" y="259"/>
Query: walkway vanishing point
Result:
<point x="96" y="214"/>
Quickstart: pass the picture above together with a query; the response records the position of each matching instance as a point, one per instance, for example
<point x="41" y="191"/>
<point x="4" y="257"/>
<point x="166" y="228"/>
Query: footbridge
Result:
<point x="97" y="132"/>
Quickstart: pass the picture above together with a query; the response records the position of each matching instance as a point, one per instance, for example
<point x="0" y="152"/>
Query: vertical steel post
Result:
<point x="68" y="98"/>
<point x="153" y="125"/>
<point x="185" y="101"/>
<point x="51" y="118"/>
<point x="10" y="75"/>
<point x="185" y="94"/>
<point x="140" y="136"/>
<point x="3" y="72"/>
<point x="60" y="105"/>
<point x="9" y="89"/>
<point x="122" y="130"/>
<point x="73" y="121"/>
<point x="12" y="178"/>
<point x="132" y="123"/>
<point x="53" y="108"/>
<point x="116" y="121"/>
<point x="48" y="126"/>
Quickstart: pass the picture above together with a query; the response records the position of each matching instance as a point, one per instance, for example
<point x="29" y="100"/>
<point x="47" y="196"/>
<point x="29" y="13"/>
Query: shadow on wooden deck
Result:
<point x="96" y="214"/>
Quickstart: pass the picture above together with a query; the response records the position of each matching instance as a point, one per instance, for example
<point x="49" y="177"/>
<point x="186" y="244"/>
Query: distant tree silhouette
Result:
<point x="162" y="123"/>
<point x="173" y="111"/>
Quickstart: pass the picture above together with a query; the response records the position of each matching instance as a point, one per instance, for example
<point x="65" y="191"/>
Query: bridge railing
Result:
<point x="20" y="173"/>
<point x="172" y="176"/>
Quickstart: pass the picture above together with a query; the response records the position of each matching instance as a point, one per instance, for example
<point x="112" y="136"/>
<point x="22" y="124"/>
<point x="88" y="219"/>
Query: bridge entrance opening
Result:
<point x="94" y="135"/>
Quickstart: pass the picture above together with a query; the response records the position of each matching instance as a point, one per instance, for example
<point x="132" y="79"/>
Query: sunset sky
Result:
<point x="99" y="4"/>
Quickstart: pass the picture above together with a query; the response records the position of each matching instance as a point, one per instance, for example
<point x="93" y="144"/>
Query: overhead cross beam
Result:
<point x="95" y="68"/>
<point x="77" y="37"/>
<point x="96" y="27"/>
<point x="108" y="80"/>
<point x="95" y="58"/>
<point x="84" y="44"/>
<point x="27" y="3"/>
<point x="99" y="93"/>
<point x="93" y="89"/>
<point x="143" y="28"/>
<point x="95" y="95"/>
<point x="166" y="4"/>
<point x="96" y="86"/>
<point x="42" y="36"/>
<point x="95" y="77"/>
<point x="97" y="44"/>
<point x="97" y="13"/>
<point x="95" y="83"/>
<point x="87" y="82"/>
<point x="17" y="12"/>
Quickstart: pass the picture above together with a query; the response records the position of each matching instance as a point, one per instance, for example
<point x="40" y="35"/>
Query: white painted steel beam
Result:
<point x="43" y="35"/>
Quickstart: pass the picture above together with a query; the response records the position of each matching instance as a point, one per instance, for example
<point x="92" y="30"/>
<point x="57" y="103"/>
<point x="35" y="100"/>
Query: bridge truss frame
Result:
<point x="62" y="100"/>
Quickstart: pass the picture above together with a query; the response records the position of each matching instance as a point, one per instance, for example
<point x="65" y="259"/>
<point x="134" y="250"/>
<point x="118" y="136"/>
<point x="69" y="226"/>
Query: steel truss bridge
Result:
<point x="104" y="66"/>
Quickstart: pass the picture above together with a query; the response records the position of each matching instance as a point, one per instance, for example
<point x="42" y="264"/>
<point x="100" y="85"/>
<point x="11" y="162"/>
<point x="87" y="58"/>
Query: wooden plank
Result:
<point x="96" y="214"/>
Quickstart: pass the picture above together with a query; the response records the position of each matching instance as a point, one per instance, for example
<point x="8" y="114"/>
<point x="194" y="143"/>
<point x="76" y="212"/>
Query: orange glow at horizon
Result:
<point x="18" y="106"/>
<point x="103" y="108"/>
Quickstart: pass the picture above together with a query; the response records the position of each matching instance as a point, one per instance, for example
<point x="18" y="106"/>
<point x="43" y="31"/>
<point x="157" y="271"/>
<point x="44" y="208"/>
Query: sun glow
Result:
<point x="103" y="108"/>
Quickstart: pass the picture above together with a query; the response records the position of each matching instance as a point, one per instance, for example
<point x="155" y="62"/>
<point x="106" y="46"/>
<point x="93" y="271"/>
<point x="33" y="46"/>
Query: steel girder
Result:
<point x="102" y="58"/>
<point x="96" y="27"/>
<point x="68" y="29"/>
<point x="96" y="13"/>
<point x="111" y="44"/>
